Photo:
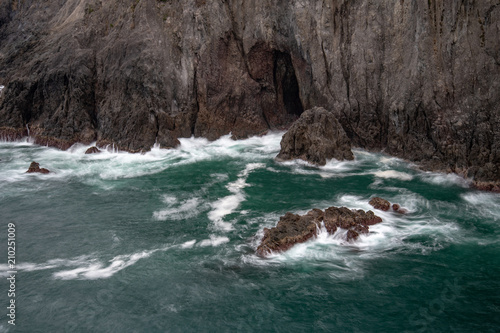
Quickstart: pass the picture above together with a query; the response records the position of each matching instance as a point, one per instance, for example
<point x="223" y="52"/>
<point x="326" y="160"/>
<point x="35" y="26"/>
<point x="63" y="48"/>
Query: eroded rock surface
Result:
<point x="418" y="79"/>
<point x="292" y="228"/>
<point x="315" y="137"/>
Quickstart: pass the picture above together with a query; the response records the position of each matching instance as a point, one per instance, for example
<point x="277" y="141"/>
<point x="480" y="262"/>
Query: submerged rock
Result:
<point x="92" y="150"/>
<point x="315" y="137"/>
<point x="35" y="167"/>
<point x="292" y="228"/>
<point x="397" y="208"/>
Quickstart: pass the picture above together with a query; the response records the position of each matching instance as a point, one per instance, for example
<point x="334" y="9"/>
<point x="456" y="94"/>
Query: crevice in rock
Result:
<point x="286" y="85"/>
<point x="27" y="110"/>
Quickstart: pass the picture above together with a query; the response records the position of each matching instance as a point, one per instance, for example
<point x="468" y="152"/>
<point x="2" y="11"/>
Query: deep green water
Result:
<point x="165" y="241"/>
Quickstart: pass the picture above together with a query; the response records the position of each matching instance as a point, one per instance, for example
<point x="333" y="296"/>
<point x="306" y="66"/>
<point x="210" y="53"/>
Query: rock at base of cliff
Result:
<point x="35" y="168"/>
<point x="487" y="186"/>
<point x="315" y="137"/>
<point x="92" y="150"/>
<point x="292" y="228"/>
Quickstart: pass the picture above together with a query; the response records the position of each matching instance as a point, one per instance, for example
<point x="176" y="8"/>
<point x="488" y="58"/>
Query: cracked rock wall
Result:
<point x="418" y="79"/>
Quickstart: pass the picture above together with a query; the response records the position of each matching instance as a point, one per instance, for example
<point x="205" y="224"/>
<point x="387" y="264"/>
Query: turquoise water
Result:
<point x="165" y="242"/>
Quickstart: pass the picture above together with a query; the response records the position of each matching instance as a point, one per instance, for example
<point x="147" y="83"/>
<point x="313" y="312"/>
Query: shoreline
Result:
<point x="9" y="134"/>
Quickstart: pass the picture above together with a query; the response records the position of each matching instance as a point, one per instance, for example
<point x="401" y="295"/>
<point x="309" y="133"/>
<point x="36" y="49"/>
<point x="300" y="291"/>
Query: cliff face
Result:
<point x="416" y="78"/>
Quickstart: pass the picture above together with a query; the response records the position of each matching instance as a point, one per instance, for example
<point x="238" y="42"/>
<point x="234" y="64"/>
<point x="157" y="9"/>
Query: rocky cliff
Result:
<point x="418" y="79"/>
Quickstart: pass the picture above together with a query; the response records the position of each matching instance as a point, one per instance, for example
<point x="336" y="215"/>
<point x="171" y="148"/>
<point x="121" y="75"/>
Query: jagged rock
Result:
<point x="379" y="203"/>
<point x="35" y="167"/>
<point x="315" y="137"/>
<point x="92" y="150"/>
<point x="292" y="228"/>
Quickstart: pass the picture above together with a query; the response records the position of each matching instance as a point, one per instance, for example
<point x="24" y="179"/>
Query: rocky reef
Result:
<point x="293" y="229"/>
<point x="315" y="137"/>
<point x="418" y="79"/>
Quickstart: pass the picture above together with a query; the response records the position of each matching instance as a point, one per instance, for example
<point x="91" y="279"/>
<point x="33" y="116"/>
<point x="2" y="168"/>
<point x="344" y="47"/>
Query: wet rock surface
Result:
<point x="35" y="168"/>
<point x="382" y="204"/>
<point x="487" y="186"/>
<point x="138" y="72"/>
<point x="93" y="150"/>
<point x="315" y="137"/>
<point x="379" y="203"/>
<point x="293" y="229"/>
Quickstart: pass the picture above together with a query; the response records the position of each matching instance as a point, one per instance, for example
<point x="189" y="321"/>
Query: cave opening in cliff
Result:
<point x="287" y="87"/>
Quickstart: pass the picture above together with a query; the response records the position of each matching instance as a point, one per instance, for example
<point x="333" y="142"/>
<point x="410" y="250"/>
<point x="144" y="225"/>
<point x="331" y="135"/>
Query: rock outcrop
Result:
<point x="292" y="228"/>
<point x="315" y="137"/>
<point x="35" y="168"/>
<point x="92" y="150"/>
<point x="379" y="203"/>
<point x="416" y="78"/>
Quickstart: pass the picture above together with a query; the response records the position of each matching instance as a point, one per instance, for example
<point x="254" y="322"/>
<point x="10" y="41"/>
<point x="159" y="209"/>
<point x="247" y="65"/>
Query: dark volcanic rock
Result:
<point x="35" y="167"/>
<point x="11" y="134"/>
<point x="488" y="186"/>
<point x="379" y="203"/>
<point x="292" y="229"/>
<point x="315" y="137"/>
<point x="138" y="72"/>
<point x="92" y="150"/>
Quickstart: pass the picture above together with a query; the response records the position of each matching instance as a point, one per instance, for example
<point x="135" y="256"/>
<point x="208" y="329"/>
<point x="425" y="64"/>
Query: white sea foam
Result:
<point x="443" y="179"/>
<point x="90" y="267"/>
<point x="98" y="270"/>
<point x="393" y="174"/>
<point x="214" y="241"/>
<point x="111" y="164"/>
<point x="486" y="204"/>
<point x="186" y="209"/>
<point x="227" y="205"/>
<point x="188" y="244"/>
<point x="258" y="147"/>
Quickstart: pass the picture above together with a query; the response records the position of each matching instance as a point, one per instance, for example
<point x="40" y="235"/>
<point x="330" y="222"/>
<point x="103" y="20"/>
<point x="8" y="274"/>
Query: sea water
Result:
<point x="165" y="242"/>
